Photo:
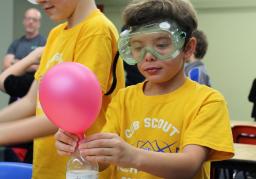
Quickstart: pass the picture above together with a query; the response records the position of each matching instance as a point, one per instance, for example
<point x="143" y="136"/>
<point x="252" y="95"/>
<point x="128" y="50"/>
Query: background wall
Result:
<point x="230" y="60"/>
<point x="229" y="25"/>
<point x="6" y="31"/>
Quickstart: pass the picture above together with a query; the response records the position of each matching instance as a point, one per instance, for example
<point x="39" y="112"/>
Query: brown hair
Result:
<point x="141" y="12"/>
<point x="201" y="45"/>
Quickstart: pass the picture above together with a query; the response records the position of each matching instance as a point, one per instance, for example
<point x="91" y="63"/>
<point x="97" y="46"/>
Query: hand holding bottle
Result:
<point x="77" y="166"/>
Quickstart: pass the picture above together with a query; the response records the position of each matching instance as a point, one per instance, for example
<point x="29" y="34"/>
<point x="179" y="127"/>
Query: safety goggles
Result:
<point x="33" y="1"/>
<point x="163" y="40"/>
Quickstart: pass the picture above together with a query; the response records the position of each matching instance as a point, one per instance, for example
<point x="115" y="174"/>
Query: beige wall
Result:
<point x="230" y="27"/>
<point x="6" y="19"/>
<point x="230" y="60"/>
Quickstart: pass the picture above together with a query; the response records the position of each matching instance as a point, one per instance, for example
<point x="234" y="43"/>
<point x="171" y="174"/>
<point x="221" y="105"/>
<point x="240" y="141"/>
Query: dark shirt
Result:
<point x="133" y="75"/>
<point x="23" y="46"/>
<point x="20" y="48"/>
<point x="252" y="98"/>
<point x="22" y="83"/>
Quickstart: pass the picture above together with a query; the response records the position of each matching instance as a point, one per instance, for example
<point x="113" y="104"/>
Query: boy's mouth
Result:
<point x="152" y="70"/>
<point x="48" y="8"/>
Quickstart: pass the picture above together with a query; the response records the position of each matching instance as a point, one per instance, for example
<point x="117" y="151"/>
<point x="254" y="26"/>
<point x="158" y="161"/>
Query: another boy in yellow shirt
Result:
<point x="168" y="126"/>
<point x="87" y="37"/>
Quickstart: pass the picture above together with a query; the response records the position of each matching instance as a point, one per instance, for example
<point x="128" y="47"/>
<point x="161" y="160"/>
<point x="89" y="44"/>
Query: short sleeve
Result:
<point x="211" y="128"/>
<point x="18" y="86"/>
<point x="114" y="115"/>
<point x="12" y="48"/>
<point x="194" y="74"/>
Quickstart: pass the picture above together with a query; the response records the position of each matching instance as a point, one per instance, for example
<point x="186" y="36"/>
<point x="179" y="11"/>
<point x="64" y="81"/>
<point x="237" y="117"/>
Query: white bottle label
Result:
<point x="82" y="174"/>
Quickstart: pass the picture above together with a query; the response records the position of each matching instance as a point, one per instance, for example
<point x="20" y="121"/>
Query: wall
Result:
<point x="230" y="60"/>
<point x="6" y="19"/>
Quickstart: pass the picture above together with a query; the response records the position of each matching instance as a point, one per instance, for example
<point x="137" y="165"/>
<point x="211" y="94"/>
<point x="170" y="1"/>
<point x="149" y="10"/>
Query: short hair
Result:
<point x="202" y="44"/>
<point x="142" y="12"/>
<point x="36" y="12"/>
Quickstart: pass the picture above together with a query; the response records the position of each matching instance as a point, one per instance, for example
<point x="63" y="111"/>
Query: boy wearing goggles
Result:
<point x="167" y="126"/>
<point x="88" y="37"/>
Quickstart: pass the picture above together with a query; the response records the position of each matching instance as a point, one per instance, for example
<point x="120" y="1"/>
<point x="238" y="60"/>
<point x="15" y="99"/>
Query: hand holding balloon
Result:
<point x="70" y="96"/>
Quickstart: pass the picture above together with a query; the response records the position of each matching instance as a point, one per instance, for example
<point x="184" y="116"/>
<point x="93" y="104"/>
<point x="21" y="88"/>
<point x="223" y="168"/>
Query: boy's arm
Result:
<point x="25" y="107"/>
<point x="174" y="165"/>
<point x="110" y="148"/>
<point x="21" y="66"/>
<point x="18" y="123"/>
<point x="8" y="60"/>
<point x="25" y="130"/>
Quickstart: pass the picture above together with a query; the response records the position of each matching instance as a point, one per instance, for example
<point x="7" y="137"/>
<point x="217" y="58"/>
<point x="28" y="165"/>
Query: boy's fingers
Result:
<point x="100" y="136"/>
<point x="73" y="136"/>
<point x="64" y="149"/>
<point x="97" y="143"/>
<point x="66" y="138"/>
<point x="97" y="152"/>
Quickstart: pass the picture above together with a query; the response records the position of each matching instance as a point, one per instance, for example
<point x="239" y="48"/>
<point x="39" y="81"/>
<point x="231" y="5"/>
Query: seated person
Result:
<point x="16" y="81"/>
<point x="195" y="68"/>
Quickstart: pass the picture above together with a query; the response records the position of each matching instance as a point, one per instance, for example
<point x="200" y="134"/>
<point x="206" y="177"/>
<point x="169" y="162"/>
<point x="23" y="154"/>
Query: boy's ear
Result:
<point x="189" y="48"/>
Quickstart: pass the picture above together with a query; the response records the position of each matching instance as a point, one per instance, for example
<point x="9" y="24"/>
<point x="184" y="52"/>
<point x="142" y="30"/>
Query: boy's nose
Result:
<point x="149" y="57"/>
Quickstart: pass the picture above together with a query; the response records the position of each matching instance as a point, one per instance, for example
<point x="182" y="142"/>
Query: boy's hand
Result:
<point x="108" y="148"/>
<point x="65" y="142"/>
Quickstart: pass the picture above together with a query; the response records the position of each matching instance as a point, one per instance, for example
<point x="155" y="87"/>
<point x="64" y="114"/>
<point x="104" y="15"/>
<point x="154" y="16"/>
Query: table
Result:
<point x="247" y="123"/>
<point x="244" y="159"/>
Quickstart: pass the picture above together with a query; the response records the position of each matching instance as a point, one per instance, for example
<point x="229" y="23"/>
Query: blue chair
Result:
<point x="13" y="170"/>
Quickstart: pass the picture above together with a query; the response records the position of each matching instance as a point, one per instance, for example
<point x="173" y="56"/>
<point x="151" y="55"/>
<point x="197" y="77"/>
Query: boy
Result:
<point x="87" y="37"/>
<point x="195" y="68"/>
<point x="168" y="126"/>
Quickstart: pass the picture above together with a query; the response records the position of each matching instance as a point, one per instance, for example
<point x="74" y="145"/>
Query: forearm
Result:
<point x="18" y="68"/>
<point x="166" y="165"/>
<point x="20" y="109"/>
<point x="8" y="60"/>
<point x="25" y="130"/>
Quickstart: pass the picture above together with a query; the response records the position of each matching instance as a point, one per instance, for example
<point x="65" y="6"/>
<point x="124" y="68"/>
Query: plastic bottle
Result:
<point x="80" y="168"/>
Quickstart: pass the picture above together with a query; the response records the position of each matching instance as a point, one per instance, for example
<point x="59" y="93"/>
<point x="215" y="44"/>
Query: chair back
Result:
<point x="244" y="134"/>
<point x="13" y="170"/>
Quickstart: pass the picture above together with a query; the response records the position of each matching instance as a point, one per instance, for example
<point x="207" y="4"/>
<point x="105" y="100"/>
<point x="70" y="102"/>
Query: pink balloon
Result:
<point x="70" y="96"/>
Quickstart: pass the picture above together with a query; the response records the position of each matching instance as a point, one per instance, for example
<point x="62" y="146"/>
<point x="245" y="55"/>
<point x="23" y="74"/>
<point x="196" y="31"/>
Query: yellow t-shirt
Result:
<point x="192" y="114"/>
<point x="93" y="44"/>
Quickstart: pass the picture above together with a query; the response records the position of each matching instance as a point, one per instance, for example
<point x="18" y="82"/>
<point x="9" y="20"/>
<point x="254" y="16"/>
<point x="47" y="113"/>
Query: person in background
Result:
<point x="167" y="126"/>
<point x="88" y="37"/>
<point x="15" y="86"/>
<point x="16" y="82"/>
<point x="21" y="47"/>
<point x="195" y="68"/>
<point x="15" y="77"/>
<point x="252" y="98"/>
<point x="132" y="75"/>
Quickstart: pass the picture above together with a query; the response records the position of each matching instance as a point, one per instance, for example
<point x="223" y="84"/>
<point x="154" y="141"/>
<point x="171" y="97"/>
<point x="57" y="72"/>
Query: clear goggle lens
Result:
<point x="160" y="40"/>
<point x="32" y="1"/>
